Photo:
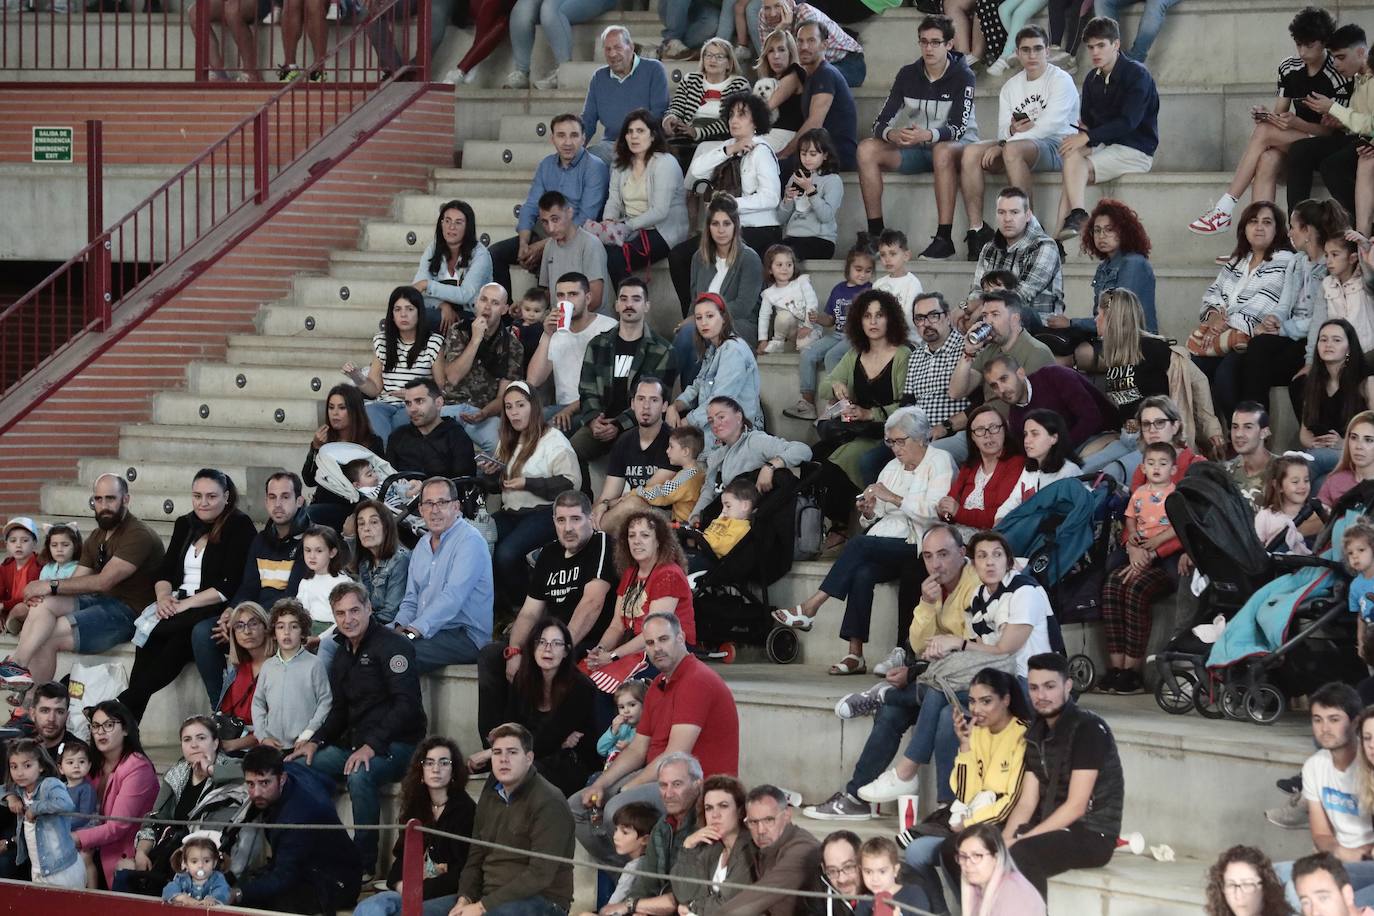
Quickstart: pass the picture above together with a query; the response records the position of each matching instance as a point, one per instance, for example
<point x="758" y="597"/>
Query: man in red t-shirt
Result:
<point x="689" y="709"/>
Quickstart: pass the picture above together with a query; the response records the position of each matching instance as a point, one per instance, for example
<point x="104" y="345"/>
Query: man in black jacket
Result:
<point x="310" y="871"/>
<point x="377" y="716"/>
<point x="431" y="444"/>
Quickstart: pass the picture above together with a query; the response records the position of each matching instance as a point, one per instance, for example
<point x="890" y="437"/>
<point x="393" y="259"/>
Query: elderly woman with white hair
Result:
<point x="896" y="512"/>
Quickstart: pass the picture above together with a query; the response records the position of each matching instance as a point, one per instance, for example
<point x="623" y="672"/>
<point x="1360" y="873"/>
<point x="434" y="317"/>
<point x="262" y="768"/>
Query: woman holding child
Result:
<point x="345" y="420"/>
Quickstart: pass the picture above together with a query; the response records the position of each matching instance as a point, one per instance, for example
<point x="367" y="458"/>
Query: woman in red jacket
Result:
<point x="987" y="477"/>
<point x="125" y="786"/>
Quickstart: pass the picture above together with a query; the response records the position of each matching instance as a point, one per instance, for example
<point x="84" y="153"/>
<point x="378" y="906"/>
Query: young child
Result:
<point x="629" y="704"/>
<point x="900" y="282"/>
<point x="788" y="306"/>
<point x="1357" y="543"/>
<point x="737" y="502"/>
<point x="325" y="558"/>
<point x="534" y="308"/>
<point x="61" y="547"/>
<point x="36" y="795"/>
<point x="679" y="495"/>
<point x="633" y="824"/>
<point x="293" y="697"/>
<point x="1346" y="286"/>
<point x="75" y="768"/>
<point x="879" y="862"/>
<point x="830" y="348"/>
<point x="20" y="567"/>
<point x="198" y="881"/>
<point x="811" y="199"/>
<point x="1287" y="488"/>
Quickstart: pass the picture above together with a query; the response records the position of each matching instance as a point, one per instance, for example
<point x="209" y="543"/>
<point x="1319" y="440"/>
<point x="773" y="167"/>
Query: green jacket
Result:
<point x="665" y="845"/>
<point x="536" y="819"/>
<point x="844" y="373"/>
<point x="701" y="862"/>
<point x="598" y="373"/>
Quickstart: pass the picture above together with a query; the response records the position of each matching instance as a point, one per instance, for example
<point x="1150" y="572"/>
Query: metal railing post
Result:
<point x="96" y="306"/>
<point x="261" y="179"/>
<point x="413" y="871"/>
<point x="422" y="60"/>
<point x="202" y="35"/>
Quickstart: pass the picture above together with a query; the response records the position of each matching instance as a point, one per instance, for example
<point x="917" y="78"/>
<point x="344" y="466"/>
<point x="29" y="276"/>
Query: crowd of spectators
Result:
<point x="941" y="418"/>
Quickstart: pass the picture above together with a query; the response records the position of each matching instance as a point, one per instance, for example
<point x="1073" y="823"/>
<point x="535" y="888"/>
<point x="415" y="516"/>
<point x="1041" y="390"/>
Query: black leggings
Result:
<point x="159" y="661"/>
<point x="809" y="247"/>
<point x="1066" y="23"/>
<point x="1270" y="362"/>
<point x="994" y="30"/>
<point x="616" y="264"/>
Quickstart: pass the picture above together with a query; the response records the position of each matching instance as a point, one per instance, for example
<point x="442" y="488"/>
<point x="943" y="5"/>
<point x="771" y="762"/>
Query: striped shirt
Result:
<point x="396" y="379"/>
<point x="1245" y="295"/>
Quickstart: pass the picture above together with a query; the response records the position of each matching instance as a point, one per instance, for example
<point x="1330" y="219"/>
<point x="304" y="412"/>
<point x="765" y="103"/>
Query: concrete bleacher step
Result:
<point x="146" y="476"/>
<point x="161" y="502"/>
<point x="183" y="409"/>
<point x="187" y="444"/>
<point x="323" y="353"/>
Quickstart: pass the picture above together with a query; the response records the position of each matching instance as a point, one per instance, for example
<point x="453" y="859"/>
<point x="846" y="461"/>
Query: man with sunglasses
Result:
<point x="94" y="610"/>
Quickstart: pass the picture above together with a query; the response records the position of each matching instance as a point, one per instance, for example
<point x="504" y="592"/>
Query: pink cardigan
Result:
<point x="131" y="793"/>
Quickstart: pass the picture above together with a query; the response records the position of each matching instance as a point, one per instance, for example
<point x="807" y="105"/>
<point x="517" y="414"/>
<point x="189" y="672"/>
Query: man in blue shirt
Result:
<point x="626" y="82"/>
<point x="581" y="178"/>
<point x="826" y="101"/>
<point x="446" y="610"/>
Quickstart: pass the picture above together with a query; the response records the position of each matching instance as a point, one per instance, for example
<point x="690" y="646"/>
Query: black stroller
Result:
<point x="730" y="599"/>
<point x="471" y="499"/>
<point x="1214" y="524"/>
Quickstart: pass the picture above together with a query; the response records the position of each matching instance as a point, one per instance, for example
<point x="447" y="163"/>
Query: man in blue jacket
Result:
<point x="1118" y="129"/>
<point x="310" y="871"/>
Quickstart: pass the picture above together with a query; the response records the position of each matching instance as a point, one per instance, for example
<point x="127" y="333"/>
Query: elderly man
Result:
<point x="679" y="787"/>
<point x="946" y="592"/>
<point x="446" y="611"/>
<point x="377" y="716"/>
<point x="785" y="856"/>
<point x="95" y="609"/>
<point x="689" y="709"/>
<point x="627" y="82"/>
<point x="523" y="812"/>
<point x="480" y="357"/>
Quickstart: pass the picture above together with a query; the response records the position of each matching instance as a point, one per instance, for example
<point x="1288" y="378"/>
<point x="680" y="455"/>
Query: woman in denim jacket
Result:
<point x="40" y="800"/>
<point x="381" y="561"/>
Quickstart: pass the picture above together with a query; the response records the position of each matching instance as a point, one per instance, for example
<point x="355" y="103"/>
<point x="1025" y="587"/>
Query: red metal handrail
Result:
<point x="83" y="295"/>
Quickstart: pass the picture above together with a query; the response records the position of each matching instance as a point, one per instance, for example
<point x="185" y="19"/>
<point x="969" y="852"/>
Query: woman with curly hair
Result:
<point x="1242" y="883"/>
<point x="1118" y="240"/>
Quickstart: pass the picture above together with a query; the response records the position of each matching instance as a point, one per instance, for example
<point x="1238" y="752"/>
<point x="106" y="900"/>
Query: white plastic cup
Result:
<point x="1134" y="843"/>
<point x="565" y="315"/>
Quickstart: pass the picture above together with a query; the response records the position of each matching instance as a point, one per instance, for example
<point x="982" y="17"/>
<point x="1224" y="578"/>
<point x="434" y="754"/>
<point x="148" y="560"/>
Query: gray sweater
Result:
<point x="667" y="199"/>
<point x="748" y="453"/>
<point x="818" y="220"/>
<point x="292" y="698"/>
<point x="743" y="283"/>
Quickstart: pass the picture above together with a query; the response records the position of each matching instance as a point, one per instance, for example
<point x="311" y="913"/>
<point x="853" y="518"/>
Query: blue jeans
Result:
<point x="1119" y="458"/>
<point x="388" y="903"/>
<point x="751" y="21"/>
<point x="363" y="788"/>
<point x="692" y="21"/>
<point x="923" y="856"/>
<point x="899" y="711"/>
<point x="872" y="462"/>
<point x="386" y="416"/>
<point x="99" y="624"/>
<point x="484" y="434"/>
<point x="447" y="647"/>
<point x="557" y="17"/>
<point x="516" y="535"/>
<point x="1361" y="879"/>
<point x="814" y="357"/>
<point x="529" y="906"/>
<point x="1151" y="21"/>
<point x="685" y="359"/>
<point x="954" y="446"/>
<point x="934" y="734"/>
<point x="862" y="565"/>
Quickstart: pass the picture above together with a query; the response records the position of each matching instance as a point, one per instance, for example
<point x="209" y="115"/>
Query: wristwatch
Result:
<point x="52" y="586"/>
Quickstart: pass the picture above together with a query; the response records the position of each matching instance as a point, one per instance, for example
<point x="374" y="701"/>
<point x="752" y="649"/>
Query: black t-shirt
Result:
<point x="559" y="579"/>
<point x="1296" y="83"/>
<point x="637" y="464"/>
<point x="625" y="351"/>
<point x="1127" y="386"/>
<point x="1333" y="412"/>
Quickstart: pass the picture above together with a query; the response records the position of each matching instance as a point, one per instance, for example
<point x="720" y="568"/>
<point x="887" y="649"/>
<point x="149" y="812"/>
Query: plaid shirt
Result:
<point x="927" y="379"/>
<point x="837" y="46"/>
<point x="598" y="373"/>
<point x="1034" y="258"/>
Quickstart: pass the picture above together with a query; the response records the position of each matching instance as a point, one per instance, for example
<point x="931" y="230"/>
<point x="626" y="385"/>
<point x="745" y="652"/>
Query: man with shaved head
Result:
<point x="481" y="356"/>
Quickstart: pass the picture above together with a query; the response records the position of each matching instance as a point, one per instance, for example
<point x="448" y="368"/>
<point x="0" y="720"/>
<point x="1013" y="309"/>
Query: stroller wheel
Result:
<point x="727" y="653"/>
<point x="1207" y="699"/>
<point x="782" y="645"/>
<point x="1177" y="694"/>
<point x="1265" y="703"/>
<point x="1233" y="702"/>
<point x="1082" y="673"/>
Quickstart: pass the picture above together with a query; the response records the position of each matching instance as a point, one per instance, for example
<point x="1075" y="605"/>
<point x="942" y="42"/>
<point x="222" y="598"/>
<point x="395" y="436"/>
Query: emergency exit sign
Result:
<point x="53" y="144"/>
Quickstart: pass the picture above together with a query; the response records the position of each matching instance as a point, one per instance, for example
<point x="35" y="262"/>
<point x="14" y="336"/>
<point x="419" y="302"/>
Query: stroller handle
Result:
<point x="1295" y="562"/>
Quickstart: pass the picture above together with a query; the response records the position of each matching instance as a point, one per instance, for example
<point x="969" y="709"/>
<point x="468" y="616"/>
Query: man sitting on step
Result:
<point x="561" y="349"/>
<point x="480" y="357"/>
<point x="639" y="457"/>
<point x="1324" y="887"/>
<point x="627" y="82"/>
<point x="94" y="610"/>
<point x="895" y="703"/>
<point x="786" y="856"/>
<point x="679" y="788"/>
<point x="430" y="444"/>
<point x="1091" y="418"/>
<point x="572" y="171"/>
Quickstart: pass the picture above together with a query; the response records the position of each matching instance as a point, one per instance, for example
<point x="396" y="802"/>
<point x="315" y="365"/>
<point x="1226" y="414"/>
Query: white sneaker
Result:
<point x="548" y="82"/>
<point x="516" y="79"/>
<point x="673" y="49"/>
<point x="774" y="346"/>
<point x="998" y="67"/>
<point x="895" y="659"/>
<point x="888" y="787"/>
<point x="1211" y="222"/>
<point x="454" y="77"/>
<point x="333" y="14"/>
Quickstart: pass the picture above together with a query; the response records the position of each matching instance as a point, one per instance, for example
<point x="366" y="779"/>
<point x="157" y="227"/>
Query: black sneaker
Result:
<point x="978" y="240"/>
<point x="1290" y="785"/>
<point x="1107" y="682"/>
<point x="939" y="249"/>
<point x="1129" y="682"/>
<point x="1073" y="226"/>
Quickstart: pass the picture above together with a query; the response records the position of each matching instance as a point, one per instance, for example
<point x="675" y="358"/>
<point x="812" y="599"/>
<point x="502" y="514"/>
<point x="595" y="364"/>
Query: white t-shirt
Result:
<point x="1339" y="795"/>
<point x="566" y="349"/>
<point x="906" y="289"/>
<point x="1020" y="599"/>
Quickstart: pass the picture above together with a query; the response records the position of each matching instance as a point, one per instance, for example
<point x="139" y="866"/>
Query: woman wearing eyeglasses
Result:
<point x="991" y="884"/>
<point x="432" y="793"/>
<point x="1242" y="883"/>
<point x="250" y="645"/>
<point x="986" y="478"/>
<point x="201" y="570"/>
<point x="125" y="786"/>
<point x="556" y="702"/>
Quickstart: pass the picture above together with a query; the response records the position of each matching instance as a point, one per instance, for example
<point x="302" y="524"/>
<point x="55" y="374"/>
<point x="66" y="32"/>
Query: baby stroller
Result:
<point x="329" y="473"/>
<point x="730" y="600"/>
<point x="1290" y="611"/>
<point x="1067" y="531"/>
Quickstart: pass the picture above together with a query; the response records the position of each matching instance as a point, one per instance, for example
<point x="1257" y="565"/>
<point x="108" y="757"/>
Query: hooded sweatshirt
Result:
<point x="943" y="107"/>
<point x="275" y="564"/>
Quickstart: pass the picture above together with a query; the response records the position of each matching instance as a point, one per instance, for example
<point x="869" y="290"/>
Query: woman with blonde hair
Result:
<point x="695" y="112"/>
<point x="250" y="645"/>
<point x="778" y="58"/>
<point x="1357" y="459"/>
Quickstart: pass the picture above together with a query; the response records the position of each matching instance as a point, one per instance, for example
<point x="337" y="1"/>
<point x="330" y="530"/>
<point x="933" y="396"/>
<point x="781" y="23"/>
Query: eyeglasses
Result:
<point x="839" y="871"/>
<point x="107" y="725"/>
<point x="433" y="764"/>
<point x="971" y="858"/>
<point x="895" y="443"/>
<point x="1242" y="887"/>
<point x="452" y="223"/>
<point x="930" y="42"/>
<point x="986" y="432"/>
<point x="435" y="503"/>
<point x="252" y="623"/>
<point x="929" y="317"/>
<point x="1104" y="230"/>
<point x="714" y="55"/>
<point x="551" y="644"/>
<point x="1155" y="424"/>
